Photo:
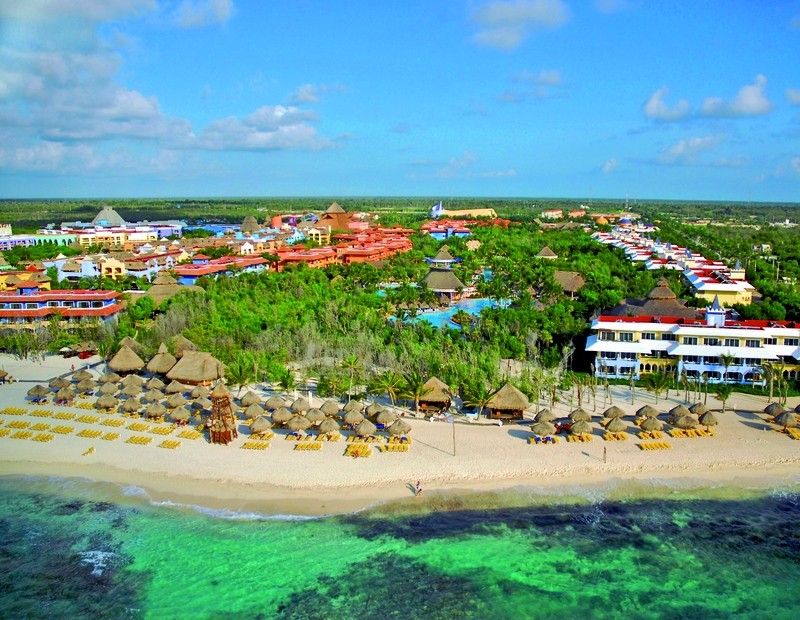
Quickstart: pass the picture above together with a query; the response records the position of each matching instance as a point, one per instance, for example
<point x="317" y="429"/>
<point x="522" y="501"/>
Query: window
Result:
<point x="52" y="304"/>
<point x="791" y="342"/>
<point x="691" y="359"/>
<point x="16" y="306"/>
<point x="608" y="336"/>
<point x="689" y="340"/>
<point x="626" y="337"/>
<point x="752" y="361"/>
<point x="648" y="336"/>
<point x="711" y="342"/>
<point x="671" y="337"/>
<point x="712" y="360"/>
<point x="608" y="355"/>
<point x="31" y="306"/>
<point x="755" y="344"/>
<point x="770" y="341"/>
<point x="731" y="342"/>
<point x="627" y="356"/>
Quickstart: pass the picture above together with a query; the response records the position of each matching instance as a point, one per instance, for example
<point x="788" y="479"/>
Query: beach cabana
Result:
<point x="708" y="419"/>
<point x="82" y="375"/>
<point x="109" y="377"/>
<point x="38" y="392"/>
<point x="132" y="405"/>
<point x="773" y="409"/>
<point x="203" y="403"/>
<point x="106" y="402"/>
<point x="251" y="398"/>
<point x="135" y="380"/>
<point x="152" y="396"/>
<point x="353" y="418"/>
<point x="686" y="422"/>
<point x="374" y="409"/>
<point x="436" y="396"/>
<point x="126" y="361"/>
<point x="162" y="361"/>
<point x="129" y="342"/>
<point x="200" y="391"/>
<point x="281" y="415"/>
<point x="651" y="424"/>
<point x="254" y="411"/>
<point x="59" y="383"/>
<point x="328" y="426"/>
<point x="679" y="411"/>
<point x="65" y="395"/>
<point x="613" y="412"/>
<point x="580" y="415"/>
<point x="108" y="388"/>
<point x="330" y="407"/>
<point x="507" y="402"/>
<point x="365" y="428"/>
<point x="580" y="428"/>
<point x="616" y="425"/>
<point x="176" y="387"/>
<point x="155" y="410"/>
<point x="176" y="400"/>
<point x="385" y="417"/>
<point x="260" y="425"/>
<point x="275" y="402"/>
<point x="86" y="386"/>
<point x="698" y="409"/>
<point x="197" y="368"/>
<point x="545" y="415"/>
<point x="399" y="427"/>
<point x="315" y="416"/>
<point x="353" y="405"/>
<point x="180" y="415"/>
<point x="647" y="411"/>
<point x="154" y="384"/>
<point x="298" y="423"/>
<point x="543" y="428"/>
<point x="787" y="419"/>
<point x="300" y="405"/>
<point x="131" y="390"/>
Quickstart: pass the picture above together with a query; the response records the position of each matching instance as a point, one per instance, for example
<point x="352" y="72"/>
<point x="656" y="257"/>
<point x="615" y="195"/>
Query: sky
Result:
<point x="646" y="99"/>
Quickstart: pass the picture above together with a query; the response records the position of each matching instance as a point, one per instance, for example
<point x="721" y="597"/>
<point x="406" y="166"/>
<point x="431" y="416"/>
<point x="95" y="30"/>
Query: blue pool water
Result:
<point x="441" y="318"/>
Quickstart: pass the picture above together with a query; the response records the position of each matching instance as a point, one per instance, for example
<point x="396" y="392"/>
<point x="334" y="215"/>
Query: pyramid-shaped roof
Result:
<point x="108" y="217"/>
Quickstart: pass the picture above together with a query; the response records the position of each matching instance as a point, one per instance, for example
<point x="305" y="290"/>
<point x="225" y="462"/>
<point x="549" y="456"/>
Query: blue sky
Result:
<point x="686" y="99"/>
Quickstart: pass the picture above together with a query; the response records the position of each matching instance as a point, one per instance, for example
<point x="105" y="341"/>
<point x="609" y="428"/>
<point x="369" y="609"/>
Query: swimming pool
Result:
<point x="441" y="318"/>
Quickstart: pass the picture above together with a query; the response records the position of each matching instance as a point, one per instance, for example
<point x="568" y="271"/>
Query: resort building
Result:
<point x="444" y="282"/>
<point x="660" y="334"/>
<point x="28" y="307"/>
<point x="443" y="259"/>
<point x="202" y="265"/>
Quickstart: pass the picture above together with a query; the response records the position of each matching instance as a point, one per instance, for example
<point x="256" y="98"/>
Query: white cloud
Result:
<point x="506" y="24"/>
<point x="686" y="152"/>
<point x="795" y="163"/>
<point x="544" y="85"/>
<point x="89" y="10"/>
<point x="793" y="95"/>
<point x="749" y="101"/>
<point x="307" y="93"/>
<point x="609" y="166"/>
<point x="657" y="109"/>
<point x="199" y="13"/>
<point x="545" y="77"/>
<point x="498" y="174"/>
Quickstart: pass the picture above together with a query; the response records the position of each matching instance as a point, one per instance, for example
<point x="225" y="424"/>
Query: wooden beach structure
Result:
<point x="222" y="426"/>
<point x="437" y="396"/>
<point x="507" y="403"/>
<point x="197" y="368"/>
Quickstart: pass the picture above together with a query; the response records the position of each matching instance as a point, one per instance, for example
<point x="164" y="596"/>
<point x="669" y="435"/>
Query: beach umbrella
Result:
<point x="545" y="415"/>
<point x="686" y="421"/>
<point x="180" y="414"/>
<point x="155" y="384"/>
<point x="131" y="405"/>
<point x="281" y="415"/>
<point x="162" y="362"/>
<point x="106" y="402"/>
<point x="315" y="416"/>
<point x="328" y="425"/>
<point x="131" y="389"/>
<point x="126" y="361"/>
<point x="152" y="396"/>
<point x="108" y="388"/>
<point x="651" y="424"/>
<point x="82" y="375"/>
<point x="127" y="341"/>
<point x="365" y="427"/>
<point x="254" y="411"/>
<point x="59" y="383"/>
<point x="155" y="410"/>
<point x="300" y="405"/>
<point x="109" y="377"/>
<point x="353" y="405"/>
<point x="385" y="417"/>
<point x="613" y="412"/>
<point x="679" y="411"/>
<point x="203" y="403"/>
<point x="87" y="385"/>
<point x="298" y="423"/>
<point x="176" y="400"/>
<point x="38" y="391"/>
<point x="708" y="419"/>
<point x="373" y="409"/>
<point x="580" y="428"/>
<point x="251" y="398"/>
<point x="787" y="419"/>
<point x="353" y="417"/>
<point x="698" y="409"/>
<point x="773" y="409"/>
<point x="647" y="411"/>
<point x="176" y="387"/>
<point x="616" y="425"/>
<point x="200" y="391"/>
<point x="134" y="380"/>
<point x="275" y="402"/>
<point x="260" y="424"/>
<point x="579" y="415"/>
<point x="65" y="394"/>
<point x="543" y="428"/>
<point x="330" y="407"/>
<point x="399" y="427"/>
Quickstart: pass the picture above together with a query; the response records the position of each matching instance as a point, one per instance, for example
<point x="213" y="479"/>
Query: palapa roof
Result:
<point x="155" y="384"/>
<point x="679" y="411"/>
<point x="545" y="415"/>
<point x="365" y="427"/>
<point x="37" y="391"/>
<point x="126" y="360"/>
<point x="546" y="252"/>
<point x="180" y="344"/>
<point x="219" y="391"/>
<point x="443" y="254"/>
<point x="686" y="421"/>
<point x="543" y="428"/>
<point x="253" y="410"/>
<point x="65" y="394"/>
<point x="132" y="380"/>
<point x="698" y="408"/>
<point x="399" y="427"/>
<point x="251" y="398"/>
<point x="651" y="424"/>
<point x="773" y="409"/>
<point x="180" y="414"/>
<point x="660" y="301"/>
<point x="374" y="408"/>
<point x="152" y="395"/>
<point x="282" y="415"/>
<point x="196" y="367"/>
<point x="354" y="405"/>
<point x="301" y="404"/>
<point x="127" y="341"/>
<point x="616" y="425"/>
<point x="508" y="398"/>
<point x="87" y="385"/>
<point x="250" y="224"/>
<point x="353" y="417"/>
<point x="442" y="280"/>
<point x="82" y="375"/>
<point x="176" y="400"/>
<point x="386" y="416"/>
<point x="275" y="402"/>
<point x="315" y="416"/>
<point x="613" y="412"/>
<point x="570" y="281"/>
<point x="787" y="419"/>
<point x="175" y="387"/>
<point x="59" y="382"/>
<point x="436" y="391"/>
<point x="580" y="415"/>
<point x="162" y="361"/>
<point x="108" y="388"/>
<point x="131" y="390"/>
<point x="106" y="401"/>
<point x="260" y="424"/>
<point x="298" y="422"/>
<point x="330" y="407"/>
<point x="647" y="411"/>
<point x="200" y="391"/>
<point x="132" y="404"/>
<point x="335" y="208"/>
<point x="109" y="377"/>
<point x="579" y="428"/>
<point x="328" y="425"/>
<point x="155" y="410"/>
<point x="708" y="419"/>
<point x="163" y="279"/>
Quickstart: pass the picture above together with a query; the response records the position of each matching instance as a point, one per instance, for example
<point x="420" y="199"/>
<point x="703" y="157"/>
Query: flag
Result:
<point x="437" y="210"/>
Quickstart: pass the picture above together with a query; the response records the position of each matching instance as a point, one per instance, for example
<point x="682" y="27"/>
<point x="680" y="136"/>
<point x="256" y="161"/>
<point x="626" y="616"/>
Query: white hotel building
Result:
<point x="643" y="344"/>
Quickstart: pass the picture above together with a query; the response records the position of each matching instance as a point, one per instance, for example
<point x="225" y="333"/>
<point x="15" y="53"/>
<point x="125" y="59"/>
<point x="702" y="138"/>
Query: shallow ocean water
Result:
<point x="73" y="548"/>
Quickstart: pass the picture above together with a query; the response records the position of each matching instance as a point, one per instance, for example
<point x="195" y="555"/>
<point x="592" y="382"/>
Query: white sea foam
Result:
<point x="98" y="560"/>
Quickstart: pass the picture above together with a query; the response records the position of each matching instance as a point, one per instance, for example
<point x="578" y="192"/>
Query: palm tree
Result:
<point x="414" y="387"/>
<point x="477" y="395"/>
<point x="768" y="368"/>
<point x="353" y="365"/>
<point x="657" y="382"/>
<point x="389" y="382"/>
<point x="287" y="380"/>
<point x="723" y="393"/>
<point x="240" y="373"/>
<point x="727" y="360"/>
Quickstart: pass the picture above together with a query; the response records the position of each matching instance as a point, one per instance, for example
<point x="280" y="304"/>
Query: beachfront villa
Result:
<point x="28" y="307"/>
<point x="661" y="334"/>
<point x="445" y="283"/>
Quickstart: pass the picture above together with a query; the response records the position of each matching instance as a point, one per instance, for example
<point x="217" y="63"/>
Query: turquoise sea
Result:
<point x="79" y="549"/>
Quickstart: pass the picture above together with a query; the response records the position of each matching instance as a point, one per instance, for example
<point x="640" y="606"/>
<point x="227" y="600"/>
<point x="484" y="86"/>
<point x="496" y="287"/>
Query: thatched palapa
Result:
<point x="698" y="409"/>
<point x="616" y="425"/>
<point x="508" y="401"/>
<point x="162" y="362"/>
<point x="647" y="411"/>
<point x="131" y="390"/>
<point x="679" y="411"/>
<point x="155" y="410"/>
<point x="374" y="409"/>
<point x="106" y="402"/>
<point x="301" y="404"/>
<point x="436" y="395"/>
<point x="181" y="345"/>
<point x="708" y="419"/>
<point x="275" y="402"/>
<point x="59" y="383"/>
<point x="155" y="384"/>
<point x="108" y="388"/>
<point x="126" y="361"/>
<point x="109" y="377"/>
<point x="613" y="412"/>
<point x="281" y="415"/>
<point x="260" y="425"/>
<point x="86" y="386"/>
<point x="330" y="407"/>
<point x="787" y="419"/>
<point x="132" y="380"/>
<point x="152" y="396"/>
<point x="38" y="391"/>
<point x="543" y="428"/>
<point x="196" y="368"/>
<point x="251" y="398"/>
<point x="353" y="418"/>
<point x="651" y="424"/>
<point x="254" y="411"/>
<point x="129" y="342"/>
<point x="297" y="423"/>
<point x="545" y="415"/>
<point x="131" y="405"/>
<point x="176" y="400"/>
<point x="365" y="427"/>
<point x="82" y="375"/>
<point x="328" y="425"/>
<point x="580" y="428"/>
<point x="200" y="391"/>
<point x="315" y="416"/>
<point x="176" y="387"/>
<point x="774" y="409"/>
<point x="399" y="427"/>
<point x="385" y="417"/>
<point x="579" y="415"/>
<point x="180" y="414"/>
<point x="686" y="422"/>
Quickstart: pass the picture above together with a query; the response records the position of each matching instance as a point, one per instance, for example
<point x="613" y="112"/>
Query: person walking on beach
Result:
<point x="418" y="490"/>
<point x="605" y="454"/>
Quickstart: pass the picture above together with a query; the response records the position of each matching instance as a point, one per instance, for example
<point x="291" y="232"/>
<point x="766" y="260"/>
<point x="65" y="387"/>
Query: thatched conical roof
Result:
<point x="131" y="405"/>
<point x="399" y="427"/>
<point x="508" y="398"/>
<point x="197" y="367"/>
<point x="219" y="391"/>
<point x="155" y="410"/>
<point x="59" y="382"/>
<point x="162" y="362"/>
<point x="109" y="377"/>
<point x="328" y="425"/>
<point x="251" y="398"/>
<point x="176" y="387"/>
<point x="545" y="415"/>
<point x="132" y="380"/>
<point x="686" y="421"/>
<point x="126" y="360"/>
<point x="108" y="388"/>
<point x="579" y="428"/>
<point x="543" y="428"/>
<point x="698" y="409"/>
<point x="152" y="396"/>
<point x="616" y="425"/>
<point x="579" y="415"/>
<point x="679" y="411"/>
<point x="354" y="405"/>
<point x="374" y="408"/>
<point x="353" y="417"/>
<point x="315" y="416"/>
<point x="180" y="414"/>
<point x="651" y="424"/>
<point x="385" y="417"/>
<point x="253" y="411"/>
<point x="442" y="280"/>
<point x="85" y="386"/>
<point x="260" y="424"/>
<point x="203" y="403"/>
<point x="131" y="390"/>
<point x="708" y="419"/>
<point x="249" y="224"/>
<point x="281" y="415"/>
<point x="436" y="391"/>
<point x="275" y="402"/>
<point x="365" y="427"/>
<point x="65" y="394"/>
<point x="301" y="404"/>
<point x="200" y="391"/>
<point x="176" y="400"/>
<point x="787" y="419"/>
<point x="613" y="412"/>
<point x="647" y="411"/>
<point x="38" y="391"/>
<point x="774" y="409"/>
<point x="330" y="407"/>
<point x="180" y="345"/>
<point x="155" y="384"/>
<point x="106" y="401"/>
<point x="297" y="423"/>
<point x="82" y="375"/>
<point x="129" y="342"/>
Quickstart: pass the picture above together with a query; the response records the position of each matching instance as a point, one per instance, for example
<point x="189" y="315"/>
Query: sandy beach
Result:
<point x="746" y="451"/>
